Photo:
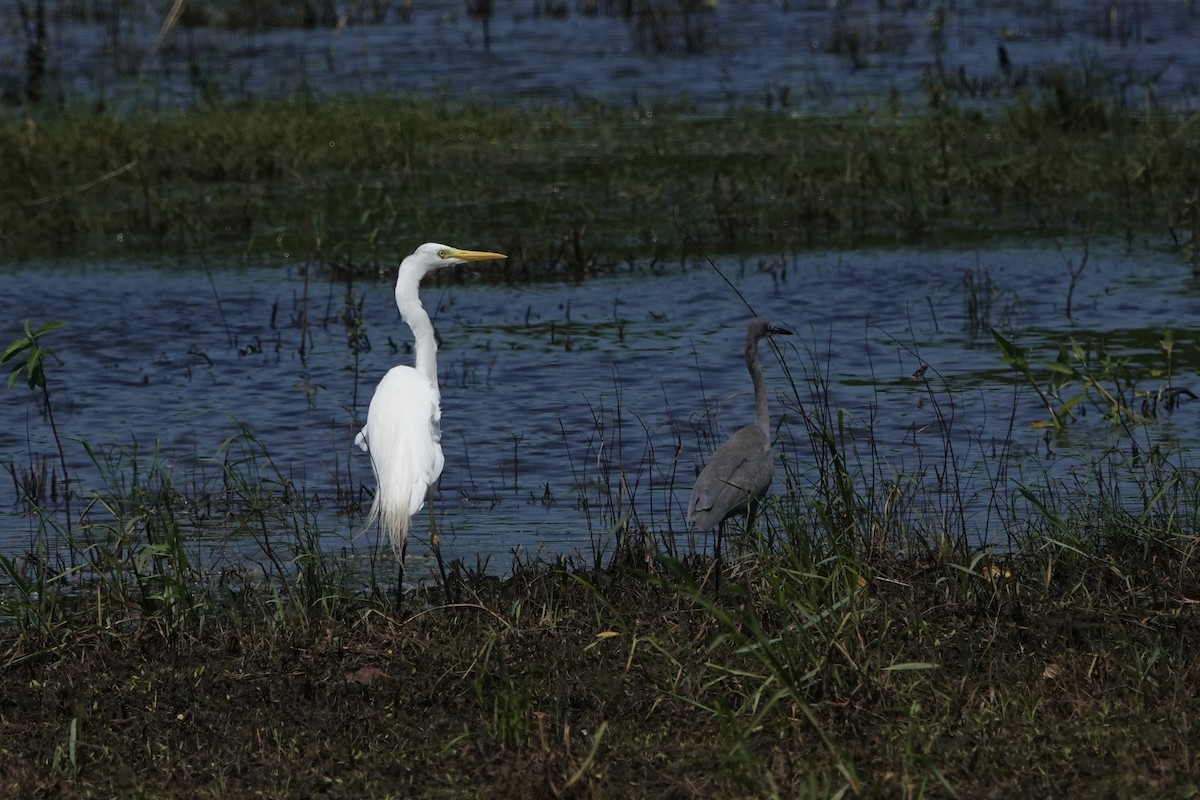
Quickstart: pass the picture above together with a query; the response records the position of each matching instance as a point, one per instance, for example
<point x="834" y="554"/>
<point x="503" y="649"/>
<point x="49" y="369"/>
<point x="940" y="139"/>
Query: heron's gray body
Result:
<point x="739" y="473"/>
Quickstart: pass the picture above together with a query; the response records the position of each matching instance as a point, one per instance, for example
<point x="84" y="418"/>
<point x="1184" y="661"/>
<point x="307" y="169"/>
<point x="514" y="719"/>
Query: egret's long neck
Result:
<point x="761" y="414"/>
<point x="408" y="301"/>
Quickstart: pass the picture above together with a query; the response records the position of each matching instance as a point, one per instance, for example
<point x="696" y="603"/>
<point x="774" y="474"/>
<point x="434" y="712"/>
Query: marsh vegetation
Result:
<point x="858" y="642"/>
<point x="569" y="193"/>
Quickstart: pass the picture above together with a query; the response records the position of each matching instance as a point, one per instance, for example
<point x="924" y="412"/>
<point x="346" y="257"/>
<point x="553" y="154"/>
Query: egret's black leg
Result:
<point x="400" y="589"/>
<point x="400" y="580"/>
<point x="436" y="544"/>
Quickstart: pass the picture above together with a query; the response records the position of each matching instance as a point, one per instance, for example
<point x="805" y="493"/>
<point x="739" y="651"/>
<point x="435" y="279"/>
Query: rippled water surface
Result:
<point x="548" y="389"/>
<point x="806" y="54"/>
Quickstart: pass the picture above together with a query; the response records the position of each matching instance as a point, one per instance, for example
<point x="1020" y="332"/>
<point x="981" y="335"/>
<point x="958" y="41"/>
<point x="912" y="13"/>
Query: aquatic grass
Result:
<point x="297" y="561"/>
<point x="840" y="485"/>
<point x="619" y="486"/>
<point x="1129" y="511"/>
<point x="32" y="590"/>
<point x="574" y="191"/>
<point x="1125" y="390"/>
<point x="27" y="357"/>
<point x="670" y="26"/>
<point x="243" y="540"/>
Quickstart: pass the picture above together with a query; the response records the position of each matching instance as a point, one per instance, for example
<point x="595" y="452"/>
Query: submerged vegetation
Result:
<point x="578" y="190"/>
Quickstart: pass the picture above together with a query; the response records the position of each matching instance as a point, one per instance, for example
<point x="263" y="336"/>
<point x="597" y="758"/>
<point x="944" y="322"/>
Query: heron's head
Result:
<point x="760" y="327"/>
<point x="431" y="256"/>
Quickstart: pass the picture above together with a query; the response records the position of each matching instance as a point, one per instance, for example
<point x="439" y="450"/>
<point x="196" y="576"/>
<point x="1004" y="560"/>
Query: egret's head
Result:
<point x="431" y="256"/>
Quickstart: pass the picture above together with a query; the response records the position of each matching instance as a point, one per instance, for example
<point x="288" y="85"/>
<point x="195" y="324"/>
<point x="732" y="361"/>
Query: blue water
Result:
<point x="812" y="55"/>
<point x="554" y="394"/>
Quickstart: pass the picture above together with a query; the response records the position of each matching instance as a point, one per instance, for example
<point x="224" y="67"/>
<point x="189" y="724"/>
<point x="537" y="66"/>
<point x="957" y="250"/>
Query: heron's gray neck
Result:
<point x="408" y="300"/>
<point x="761" y="414"/>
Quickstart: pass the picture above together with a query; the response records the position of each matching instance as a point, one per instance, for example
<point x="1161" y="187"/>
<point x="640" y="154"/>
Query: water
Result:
<point x="550" y="389"/>
<point x="535" y="377"/>
<point x="812" y="54"/>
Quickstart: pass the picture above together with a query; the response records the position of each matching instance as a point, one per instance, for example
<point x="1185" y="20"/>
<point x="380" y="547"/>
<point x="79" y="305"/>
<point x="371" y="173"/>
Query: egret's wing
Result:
<point x="403" y="436"/>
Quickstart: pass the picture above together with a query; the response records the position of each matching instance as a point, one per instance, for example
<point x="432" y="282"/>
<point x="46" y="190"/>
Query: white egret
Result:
<point x="403" y="431"/>
<point x="739" y="473"/>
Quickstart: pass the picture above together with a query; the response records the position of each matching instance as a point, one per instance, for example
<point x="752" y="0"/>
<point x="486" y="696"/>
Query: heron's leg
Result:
<point x="435" y="543"/>
<point x="718" y="566"/>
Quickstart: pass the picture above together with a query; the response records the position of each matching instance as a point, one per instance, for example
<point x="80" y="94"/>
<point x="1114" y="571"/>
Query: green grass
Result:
<point x="570" y="191"/>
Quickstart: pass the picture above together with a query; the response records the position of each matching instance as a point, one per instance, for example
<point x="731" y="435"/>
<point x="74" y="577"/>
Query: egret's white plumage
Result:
<point x="405" y="448"/>
<point x="739" y="473"/>
<point x="403" y="431"/>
